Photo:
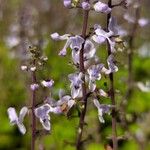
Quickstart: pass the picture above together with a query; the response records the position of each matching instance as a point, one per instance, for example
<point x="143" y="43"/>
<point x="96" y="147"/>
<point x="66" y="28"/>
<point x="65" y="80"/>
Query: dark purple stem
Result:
<point x="33" y="125"/>
<point x="112" y="93"/>
<point x="82" y="69"/>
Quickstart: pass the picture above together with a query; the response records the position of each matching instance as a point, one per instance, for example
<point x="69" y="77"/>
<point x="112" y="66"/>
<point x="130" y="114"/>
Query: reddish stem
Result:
<point x="33" y="125"/>
<point x="82" y="69"/>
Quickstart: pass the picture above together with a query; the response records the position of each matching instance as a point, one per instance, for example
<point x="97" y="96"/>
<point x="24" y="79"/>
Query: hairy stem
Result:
<point x="112" y="93"/>
<point x="33" y="125"/>
<point x="82" y="69"/>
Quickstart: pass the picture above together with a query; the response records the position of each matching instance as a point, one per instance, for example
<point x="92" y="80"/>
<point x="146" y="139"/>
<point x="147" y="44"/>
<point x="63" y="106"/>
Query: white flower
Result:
<point x="102" y="109"/>
<point x="103" y="93"/>
<point x="48" y="83"/>
<point x="24" y="68"/>
<point x="33" y="68"/>
<point x="14" y="119"/>
<point x="76" y="84"/>
<point x="101" y="7"/>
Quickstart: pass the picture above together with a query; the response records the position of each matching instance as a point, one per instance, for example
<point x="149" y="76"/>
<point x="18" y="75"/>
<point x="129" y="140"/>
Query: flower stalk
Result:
<point x="112" y="90"/>
<point x="82" y="69"/>
<point x="33" y="124"/>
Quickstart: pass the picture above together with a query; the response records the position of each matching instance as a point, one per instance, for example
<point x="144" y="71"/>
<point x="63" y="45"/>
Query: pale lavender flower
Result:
<point x="63" y="105"/>
<point x="67" y="3"/>
<point x="42" y="113"/>
<point x="34" y="86"/>
<point x="47" y="83"/>
<point x="94" y="74"/>
<point x="89" y="52"/>
<point x="129" y="18"/>
<point x="113" y="26"/>
<point x="86" y="5"/>
<point x="143" y="22"/>
<point x="76" y="43"/>
<point x="66" y="103"/>
<point x="100" y="35"/>
<point x="112" y="68"/>
<point x="76" y="84"/>
<point x="12" y="41"/>
<point x="111" y="64"/>
<point x="14" y="119"/>
<point x="56" y="110"/>
<point x="101" y="7"/>
<point x="102" y="109"/>
<point x="55" y="36"/>
<point x="63" y="52"/>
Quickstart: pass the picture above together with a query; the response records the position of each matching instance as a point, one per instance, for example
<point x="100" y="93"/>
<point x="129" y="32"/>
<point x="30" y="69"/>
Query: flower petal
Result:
<point x="21" y="128"/>
<point x="67" y="3"/>
<point x="113" y="26"/>
<point x="22" y="114"/>
<point x="100" y="116"/>
<point x="86" y="5"/>
<point x="92" y="85"/>
<point x="101" y="7"/>
<point x="46" y="124"/>
<point x="111" y="64"/>
<point x="55" y="36"/>
<point x="12" y="115"/>
<point x="63" y="52"/>
<point x="42" y="111"/>
<point x="63" y="99"/>
<point x="48" y="83"/>
<point x="76" y="43"/>
<point x="103" y="93"/>
<point x="96" y="103"/>
<point x="75" y="92"/>
<point x="89" y="50"/>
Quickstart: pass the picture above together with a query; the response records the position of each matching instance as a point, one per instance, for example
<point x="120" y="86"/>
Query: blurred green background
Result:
<point x="30" y="22"/>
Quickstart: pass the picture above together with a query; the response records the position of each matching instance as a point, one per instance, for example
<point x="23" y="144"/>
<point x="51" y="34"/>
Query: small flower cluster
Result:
<point x="63" y="105"/>
<point x="97" y="6"/>
<point x="94" y="69"/>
